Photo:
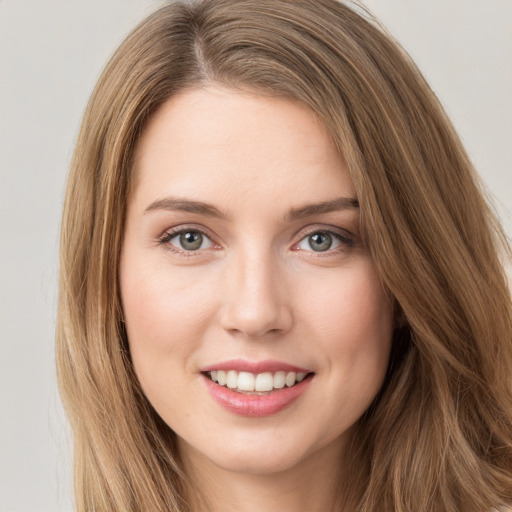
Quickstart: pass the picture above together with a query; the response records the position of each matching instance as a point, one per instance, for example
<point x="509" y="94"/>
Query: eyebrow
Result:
<point x="340" y="203"/>
<point x="201" y="208"/>
<point x="185" y="205"/>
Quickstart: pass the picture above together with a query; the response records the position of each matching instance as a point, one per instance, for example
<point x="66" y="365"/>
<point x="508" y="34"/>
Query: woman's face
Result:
<point x="243" y="262"/>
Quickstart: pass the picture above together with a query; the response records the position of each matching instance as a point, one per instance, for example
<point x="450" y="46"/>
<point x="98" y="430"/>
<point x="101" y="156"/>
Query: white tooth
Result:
<point x="221" y="377"/>
<point x="246" y="381"/>
<point x="300" y="376"/>
<point x="213" y="375"/>
<point x="290" y="379"/>
<point x="264" y="382"/>
<point x="279" y="380"/>
<point x="232" y="379"/>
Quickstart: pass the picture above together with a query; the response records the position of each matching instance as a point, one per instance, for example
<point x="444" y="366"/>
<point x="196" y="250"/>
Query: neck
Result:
<point x="311" y="486"/>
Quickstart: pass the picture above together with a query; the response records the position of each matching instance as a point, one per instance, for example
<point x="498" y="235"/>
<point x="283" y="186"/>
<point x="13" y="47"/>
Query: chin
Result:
<point x="259" y="463"/>
<point x="266" y="453"/>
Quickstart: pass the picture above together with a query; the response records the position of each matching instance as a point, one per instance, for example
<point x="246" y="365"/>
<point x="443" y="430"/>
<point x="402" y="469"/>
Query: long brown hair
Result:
<point x="439" y="435"/>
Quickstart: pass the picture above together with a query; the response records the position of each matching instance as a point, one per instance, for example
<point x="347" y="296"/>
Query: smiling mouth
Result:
<point x="256" y="384"/>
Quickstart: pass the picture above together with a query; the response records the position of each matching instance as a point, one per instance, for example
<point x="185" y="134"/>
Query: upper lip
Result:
<point x="256" y="367"/>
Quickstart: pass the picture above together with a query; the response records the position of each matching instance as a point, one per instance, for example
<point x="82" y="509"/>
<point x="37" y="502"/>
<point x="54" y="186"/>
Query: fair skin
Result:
<point x="242" y="252"/>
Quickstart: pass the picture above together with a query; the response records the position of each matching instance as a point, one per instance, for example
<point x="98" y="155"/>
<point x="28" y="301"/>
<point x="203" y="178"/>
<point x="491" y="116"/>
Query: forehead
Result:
<point x="232" y="145"/>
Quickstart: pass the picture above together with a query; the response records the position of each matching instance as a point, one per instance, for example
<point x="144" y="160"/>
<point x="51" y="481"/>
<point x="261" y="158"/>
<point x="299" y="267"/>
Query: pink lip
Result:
<point x="241" y="365"/>
<point x="255" y="406"/>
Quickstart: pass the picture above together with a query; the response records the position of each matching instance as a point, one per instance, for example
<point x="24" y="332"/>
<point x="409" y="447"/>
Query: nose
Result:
<point x="257" y="303"/>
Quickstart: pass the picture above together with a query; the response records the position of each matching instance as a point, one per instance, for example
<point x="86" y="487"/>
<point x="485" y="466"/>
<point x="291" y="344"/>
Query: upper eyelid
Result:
<point x="308" y="230"/>
<point x="187" y="227"/>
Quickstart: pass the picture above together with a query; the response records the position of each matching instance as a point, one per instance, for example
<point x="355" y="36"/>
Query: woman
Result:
<point x="281" y="287"/>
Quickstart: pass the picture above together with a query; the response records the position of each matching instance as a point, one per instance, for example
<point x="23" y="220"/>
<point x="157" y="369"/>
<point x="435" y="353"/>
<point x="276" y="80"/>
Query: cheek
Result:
<point x="166" y="313"/>
<point x="351" y="320"/>
<point x="351" y="306"/>
<point x="164" y="310"/>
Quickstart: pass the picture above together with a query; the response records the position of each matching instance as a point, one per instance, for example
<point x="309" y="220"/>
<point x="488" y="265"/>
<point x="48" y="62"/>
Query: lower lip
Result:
<point x="255" y="406"/>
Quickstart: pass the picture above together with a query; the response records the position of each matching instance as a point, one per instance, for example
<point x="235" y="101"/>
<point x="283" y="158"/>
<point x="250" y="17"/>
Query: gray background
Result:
<point x="51" y="53"/>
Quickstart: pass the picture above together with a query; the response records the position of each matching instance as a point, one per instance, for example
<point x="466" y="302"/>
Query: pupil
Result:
<point x="191" y="240"/>
<point x="320" y="241"/>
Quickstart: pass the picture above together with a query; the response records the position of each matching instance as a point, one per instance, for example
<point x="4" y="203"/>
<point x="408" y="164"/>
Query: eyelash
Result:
<point x="166" y="238"/>
<point x="346" y="241"/>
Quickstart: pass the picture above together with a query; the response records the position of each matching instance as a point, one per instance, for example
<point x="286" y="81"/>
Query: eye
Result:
<point x="187" y="240"/>
<point x="323" y="241"/>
